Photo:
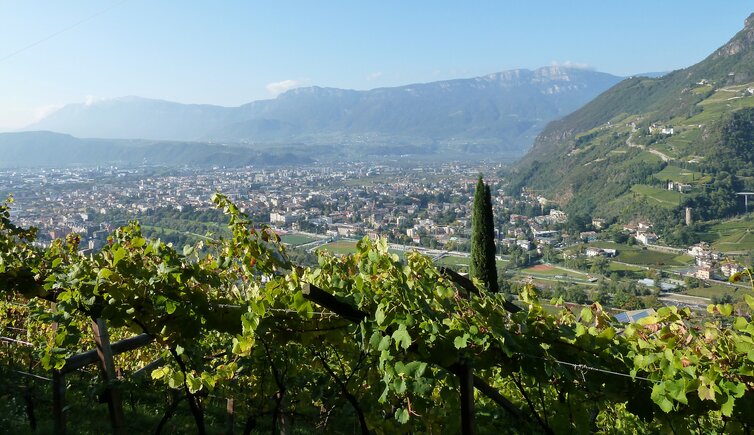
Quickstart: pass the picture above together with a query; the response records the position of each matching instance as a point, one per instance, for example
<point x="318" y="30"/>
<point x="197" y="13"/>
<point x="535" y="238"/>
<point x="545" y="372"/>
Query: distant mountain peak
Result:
<point x="749" y="22"/>
<point x="500" y="112"/>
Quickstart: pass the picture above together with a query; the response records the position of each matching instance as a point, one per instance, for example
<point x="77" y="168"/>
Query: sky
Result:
<point x="231" y="52"/>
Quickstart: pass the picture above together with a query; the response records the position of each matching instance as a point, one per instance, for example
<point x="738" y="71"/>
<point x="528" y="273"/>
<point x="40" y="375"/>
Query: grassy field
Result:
<point x="731" y="236"/>
<point x="701" y="89"/>
<point x="663" y="197"/>
<point x="616" y="267"/>
<point x="646" y="157"/>
<point x="551" y="271"/>
<point x="724" y="100"/>
<point x="717" y="290"/>
<point x="462" y="261"/>
<point x="683" y="139"/>
<point x="637" y="255"/>
<point x="602" y="244"/>
<point x="345" y="247"/>
<point x="674" y="173"/>
<point x="647" y="257"/>
<point x="341" y="247"/>
<point x="193" y="237"/>
<point x="453" y="261"/>
<point x="296" y="239"/>
<point x="738" y="242"/>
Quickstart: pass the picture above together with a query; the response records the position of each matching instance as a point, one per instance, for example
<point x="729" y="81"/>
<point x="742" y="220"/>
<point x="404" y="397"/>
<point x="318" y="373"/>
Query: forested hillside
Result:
<point x="618" y="155"/>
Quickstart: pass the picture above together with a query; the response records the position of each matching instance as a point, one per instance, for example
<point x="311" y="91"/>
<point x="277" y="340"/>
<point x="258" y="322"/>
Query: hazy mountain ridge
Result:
<point x="503" y="111"/>
<point x="48" y="149"/>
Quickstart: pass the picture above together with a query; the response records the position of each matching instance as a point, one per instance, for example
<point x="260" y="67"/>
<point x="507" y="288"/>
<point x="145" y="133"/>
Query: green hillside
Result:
<point x="649" y="147"/>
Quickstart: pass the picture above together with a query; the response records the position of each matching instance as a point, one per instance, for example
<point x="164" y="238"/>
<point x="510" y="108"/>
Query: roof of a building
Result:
<point x="634" y="316"/>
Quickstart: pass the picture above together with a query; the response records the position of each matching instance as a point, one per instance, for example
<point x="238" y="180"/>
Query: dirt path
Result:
<point x="659" y="154"/>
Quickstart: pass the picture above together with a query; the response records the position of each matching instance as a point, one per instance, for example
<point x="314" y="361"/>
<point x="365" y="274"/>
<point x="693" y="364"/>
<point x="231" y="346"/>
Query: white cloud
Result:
<point x="571" y="64"/>
<point x="374" y="76"/>
<point x="276" y="88"/>
<point x="41" y="112"/>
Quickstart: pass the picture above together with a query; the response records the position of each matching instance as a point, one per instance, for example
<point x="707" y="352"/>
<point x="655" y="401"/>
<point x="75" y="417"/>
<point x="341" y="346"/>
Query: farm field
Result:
<point x="734" y="236"/>
<point x="618" y="267"/>
<point x="340" y="247"/>
<point x="462" y="261"/>
<point x="453" y="261"/>
<point x="546" y="270"/>
<point x="663" y="197"/>
<point x="602" y="244"/>
<point x="296" y="239"/>
<point x="716" y="290"/>
<point x="347" y="246"/>
<point x="648" y="257"/>
<point x="674" y="173"/>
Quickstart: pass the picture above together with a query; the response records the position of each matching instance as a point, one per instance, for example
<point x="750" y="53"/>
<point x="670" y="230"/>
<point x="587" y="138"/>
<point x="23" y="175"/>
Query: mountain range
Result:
<point x="649" y="147"/>
<point x="499" y="113"/>
<point x="48" y="149"/>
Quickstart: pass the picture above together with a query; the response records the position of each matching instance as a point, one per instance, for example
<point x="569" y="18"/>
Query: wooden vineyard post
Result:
<point x="58" y="402"/>
<point x="107" y="365"/>
<point x="466" y="376"/>
<point x="230" y="416"/>
<point x="58" y="393"/>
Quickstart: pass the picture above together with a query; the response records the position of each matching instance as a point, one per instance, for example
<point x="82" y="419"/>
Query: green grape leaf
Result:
<point x="749" y="301"/>
<point x="194" y="384"/>
<point x="379" y="315"/>
<point x="170" y="306"/>
<point x="706" y="392"/>
<point x="725" y="309"/>
<point x="740" y="324"/>
<point x="104" y="273"/>
<point x="402" y="337"/>
<point x="727" y="407"/>
<point x="384" y="343"/>
<point x="659" y="397"/>
<point x="461" y="341"/>
<point x="401" y="414"/>
<point x="160" y="372"/>
<point x="118" y="255"/>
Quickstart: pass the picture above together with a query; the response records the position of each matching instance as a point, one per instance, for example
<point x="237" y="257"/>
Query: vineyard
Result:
<point x="228" y="336"/>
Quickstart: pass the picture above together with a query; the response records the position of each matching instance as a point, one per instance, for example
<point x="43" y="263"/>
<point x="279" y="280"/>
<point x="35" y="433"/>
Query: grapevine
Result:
<point x="235" y="319"/>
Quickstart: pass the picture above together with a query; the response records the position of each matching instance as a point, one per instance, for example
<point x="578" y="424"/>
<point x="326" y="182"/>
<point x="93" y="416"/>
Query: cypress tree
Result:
<point x="483" y="265"/>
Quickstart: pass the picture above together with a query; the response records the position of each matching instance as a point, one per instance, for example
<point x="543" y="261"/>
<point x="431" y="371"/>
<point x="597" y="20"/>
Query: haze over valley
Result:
<point x="494" y="115"/>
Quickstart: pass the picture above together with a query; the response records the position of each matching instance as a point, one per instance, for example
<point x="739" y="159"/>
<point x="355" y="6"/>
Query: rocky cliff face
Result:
<point x="743" y="41"/>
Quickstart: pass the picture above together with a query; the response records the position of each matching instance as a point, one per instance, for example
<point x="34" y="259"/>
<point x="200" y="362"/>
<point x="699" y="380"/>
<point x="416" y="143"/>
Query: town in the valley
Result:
<point x="424" y="208"/>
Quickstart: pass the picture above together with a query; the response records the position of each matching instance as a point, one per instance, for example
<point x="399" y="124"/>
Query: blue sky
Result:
<point x="233" y="52"/>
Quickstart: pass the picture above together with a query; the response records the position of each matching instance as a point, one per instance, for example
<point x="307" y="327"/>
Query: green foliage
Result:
<point x="483" y="265"/>
<point x="602" y="160"/>
<point x="236" y="322"/>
